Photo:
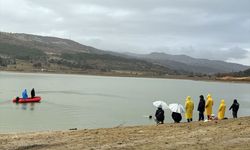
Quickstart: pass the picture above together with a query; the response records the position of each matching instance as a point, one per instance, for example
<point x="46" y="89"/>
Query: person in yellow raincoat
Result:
<point x="222" y="109"/>
<point x="209" y="106"/>
<point x="189" y="106"/>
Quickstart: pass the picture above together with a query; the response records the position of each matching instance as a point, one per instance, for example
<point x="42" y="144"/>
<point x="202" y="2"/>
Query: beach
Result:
<point x="217" y="134"/>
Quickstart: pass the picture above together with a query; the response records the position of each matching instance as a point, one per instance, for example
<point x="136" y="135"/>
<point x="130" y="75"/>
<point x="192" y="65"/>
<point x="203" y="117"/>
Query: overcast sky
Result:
<point x="213" y="29"/>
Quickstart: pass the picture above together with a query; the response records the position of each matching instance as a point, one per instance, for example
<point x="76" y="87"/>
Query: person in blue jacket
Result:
<point x="24" y="94"/>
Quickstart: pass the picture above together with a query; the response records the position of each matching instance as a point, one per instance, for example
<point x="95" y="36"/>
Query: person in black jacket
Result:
<point x="159" y="115"/>
<point x="235" y="107"/>
<point x="176" y="117"/>
<point x="32" y="93"/>
<point x="201" y="107"/>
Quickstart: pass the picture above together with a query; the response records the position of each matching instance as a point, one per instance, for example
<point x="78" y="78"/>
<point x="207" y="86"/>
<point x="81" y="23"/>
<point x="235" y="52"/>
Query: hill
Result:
<point x="25" y="52"/>
<point x="189" y="64"/>
<point x="45" y="43"/>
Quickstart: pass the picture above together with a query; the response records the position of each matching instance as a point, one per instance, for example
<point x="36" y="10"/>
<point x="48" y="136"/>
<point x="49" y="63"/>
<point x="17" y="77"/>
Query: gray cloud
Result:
<point x="209" y="27"/>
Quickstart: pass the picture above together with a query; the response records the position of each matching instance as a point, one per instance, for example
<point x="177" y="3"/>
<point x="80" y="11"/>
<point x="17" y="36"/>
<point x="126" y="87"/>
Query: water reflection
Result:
<point x="32" y="106"/>
<point x="80" y="93"/>
<point x="4" y="102"/>
<point x="26" y="106"/>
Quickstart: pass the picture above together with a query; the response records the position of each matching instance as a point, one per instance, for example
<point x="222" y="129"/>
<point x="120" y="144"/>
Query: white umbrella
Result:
<point x="178" y="108"/>
<point x="161" y="104"/>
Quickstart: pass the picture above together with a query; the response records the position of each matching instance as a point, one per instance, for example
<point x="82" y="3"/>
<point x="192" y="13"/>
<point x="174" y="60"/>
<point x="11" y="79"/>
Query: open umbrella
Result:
<point x="161" y="104"/>
<point x="178" y="108"/>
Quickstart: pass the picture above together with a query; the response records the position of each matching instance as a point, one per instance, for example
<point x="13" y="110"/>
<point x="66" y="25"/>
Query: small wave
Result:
<point x="80" y="93"/>
<point x="5" y="102"/>
<point x="61" y="105"/>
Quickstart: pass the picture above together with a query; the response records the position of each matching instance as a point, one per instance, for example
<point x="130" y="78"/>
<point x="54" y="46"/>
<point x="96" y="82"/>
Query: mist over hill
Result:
<point x="190" y="64"/>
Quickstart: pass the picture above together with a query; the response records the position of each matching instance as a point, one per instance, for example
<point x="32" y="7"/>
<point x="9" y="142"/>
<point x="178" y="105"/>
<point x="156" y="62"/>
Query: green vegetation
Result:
<point x="21" y="52"/>
<point x="106" y="62"/>
<point x="34" y="59"/>
<point x="245" y="73"/>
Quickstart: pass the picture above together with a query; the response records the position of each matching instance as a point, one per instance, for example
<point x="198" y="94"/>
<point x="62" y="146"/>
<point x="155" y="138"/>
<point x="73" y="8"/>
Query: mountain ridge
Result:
<point x="30" y="52"/>
<point x="54" y="47"/>
<point x="190" y="64"/>
<point x="45" y="43"/>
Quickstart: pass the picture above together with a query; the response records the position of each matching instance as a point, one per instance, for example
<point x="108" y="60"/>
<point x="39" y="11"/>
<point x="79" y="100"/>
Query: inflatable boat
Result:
<point x="27" y="100"/>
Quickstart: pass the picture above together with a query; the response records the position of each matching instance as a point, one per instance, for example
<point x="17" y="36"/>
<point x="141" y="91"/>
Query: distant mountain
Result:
<point x="50" y="51"/>
<point x="27" y="52"/>
<point x="45" y="43"/>
<point x="189" y="64"/>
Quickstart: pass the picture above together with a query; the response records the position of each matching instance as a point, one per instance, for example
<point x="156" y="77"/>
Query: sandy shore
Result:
<point x="225" y="134"/>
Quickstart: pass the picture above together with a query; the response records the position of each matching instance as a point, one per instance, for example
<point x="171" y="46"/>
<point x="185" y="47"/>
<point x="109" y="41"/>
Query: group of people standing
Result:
<point x="207" y="107"/>
<point x="204" y="106"/>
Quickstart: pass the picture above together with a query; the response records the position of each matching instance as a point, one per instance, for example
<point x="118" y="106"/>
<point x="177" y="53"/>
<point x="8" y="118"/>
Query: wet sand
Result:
<point x="224" y="134"/>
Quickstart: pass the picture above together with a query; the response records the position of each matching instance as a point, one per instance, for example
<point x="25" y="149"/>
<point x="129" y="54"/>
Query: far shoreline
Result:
<point x="175" y="77"/>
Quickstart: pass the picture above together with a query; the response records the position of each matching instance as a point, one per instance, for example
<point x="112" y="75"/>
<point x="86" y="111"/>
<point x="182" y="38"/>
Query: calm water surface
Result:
<point x="79" y="101"/>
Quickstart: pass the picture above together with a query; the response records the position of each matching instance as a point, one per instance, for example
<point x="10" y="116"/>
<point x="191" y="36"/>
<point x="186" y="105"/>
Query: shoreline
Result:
<point x="176" y="77"/>
<point x="231" y="133"/>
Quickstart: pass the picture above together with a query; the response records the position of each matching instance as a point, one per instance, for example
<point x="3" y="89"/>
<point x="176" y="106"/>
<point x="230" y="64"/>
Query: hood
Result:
<point x="208" y="96"/>
<point x="188" y="98"/>
<point x="222" y="101"/>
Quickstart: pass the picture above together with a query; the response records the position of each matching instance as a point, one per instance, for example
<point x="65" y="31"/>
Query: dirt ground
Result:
<point x="225" y="134"/>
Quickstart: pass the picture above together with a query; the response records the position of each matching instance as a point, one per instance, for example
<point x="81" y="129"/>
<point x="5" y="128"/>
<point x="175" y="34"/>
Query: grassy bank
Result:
<point x="225" y="134"/>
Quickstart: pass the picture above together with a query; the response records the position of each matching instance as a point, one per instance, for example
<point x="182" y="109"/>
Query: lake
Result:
<point x="82" y="101"/>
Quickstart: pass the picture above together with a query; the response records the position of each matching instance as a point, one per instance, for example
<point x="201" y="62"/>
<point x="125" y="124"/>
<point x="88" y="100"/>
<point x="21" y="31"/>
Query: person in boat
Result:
<point x="32" y="93"/>
<point x="17" y="99"/>
<point x="24" y="94"/>
<point x="159" y="115"/>
<point x="235" y="107"/>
